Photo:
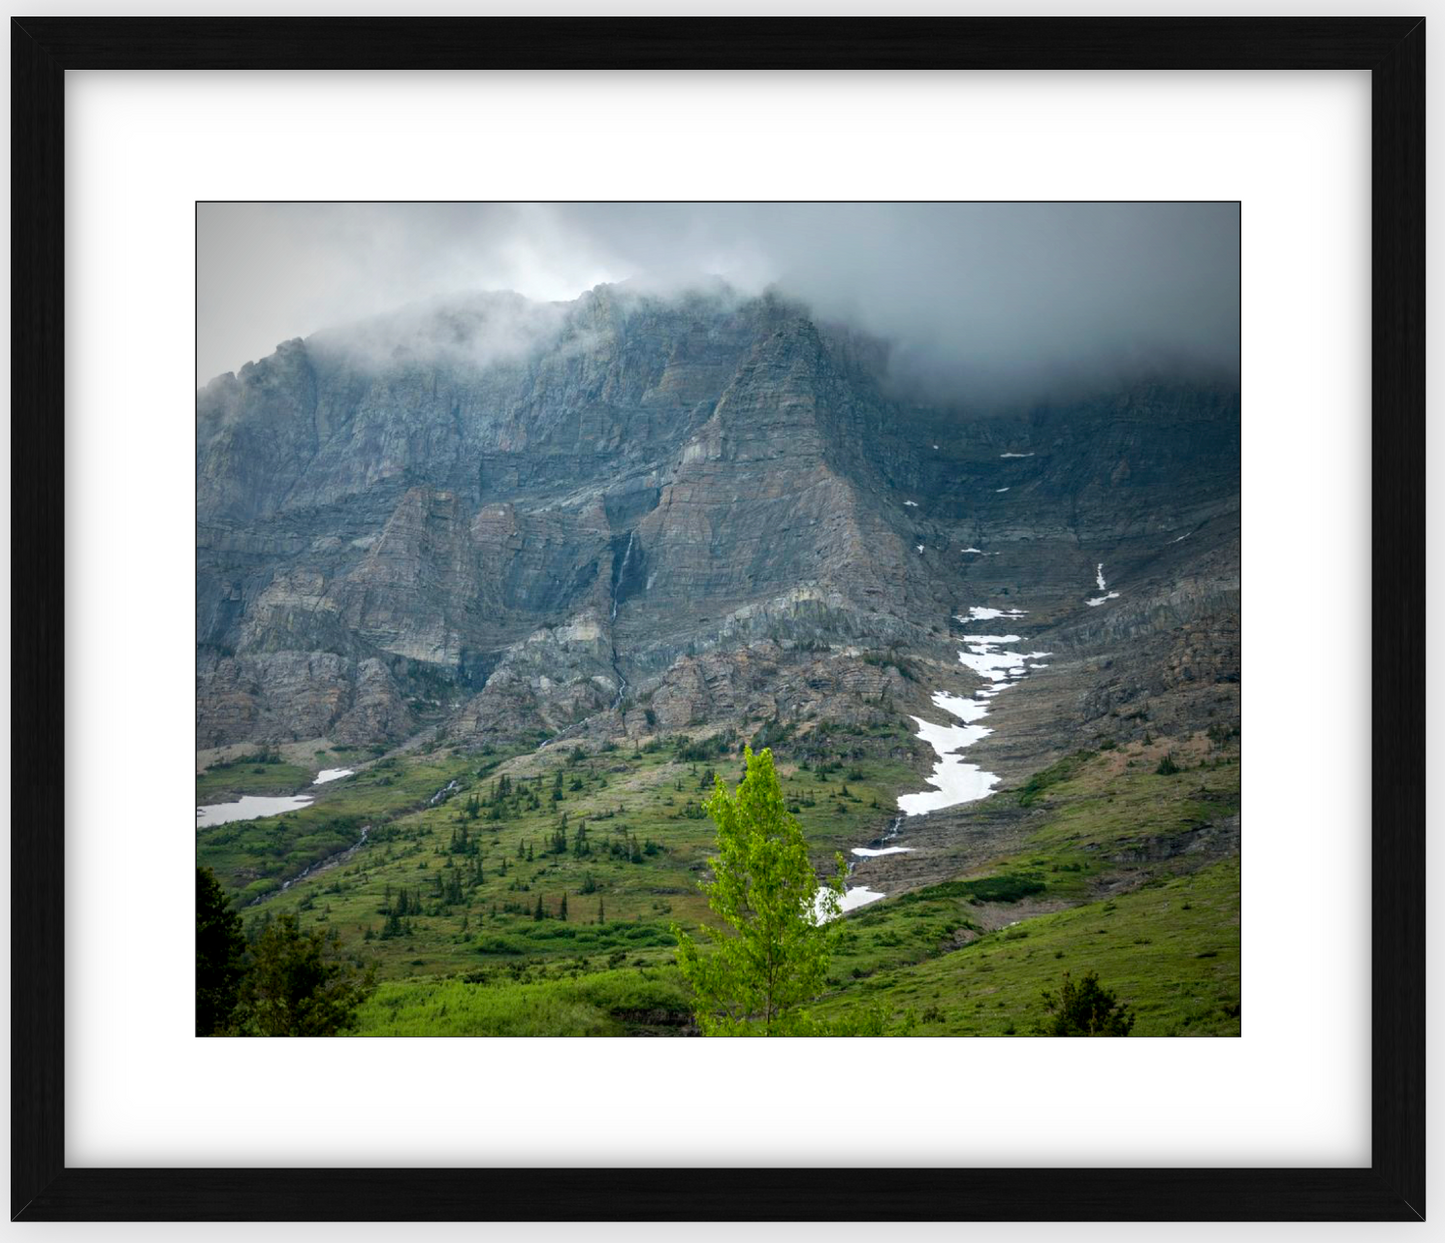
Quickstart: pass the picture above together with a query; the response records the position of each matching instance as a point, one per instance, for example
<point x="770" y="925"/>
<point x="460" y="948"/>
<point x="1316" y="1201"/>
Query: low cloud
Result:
<point x="981" y="303"/>
<point x="472" y="330"/>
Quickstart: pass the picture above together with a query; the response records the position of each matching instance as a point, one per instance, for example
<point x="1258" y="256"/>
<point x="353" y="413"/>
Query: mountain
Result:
<point x="489" y="591"/>
<point x="498" y="517"/>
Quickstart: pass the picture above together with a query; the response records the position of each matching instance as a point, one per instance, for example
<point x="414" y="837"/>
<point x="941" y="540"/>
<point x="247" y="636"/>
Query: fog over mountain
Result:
<point x="981" y="303"/>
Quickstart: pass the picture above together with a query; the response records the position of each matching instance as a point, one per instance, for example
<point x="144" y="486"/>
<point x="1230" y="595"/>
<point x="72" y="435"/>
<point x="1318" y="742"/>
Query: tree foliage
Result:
<point x="1085" y="1009"/>
<point x="774" y="951"/>
<point x="299" y="985"/>
<point x="220" y="953"/>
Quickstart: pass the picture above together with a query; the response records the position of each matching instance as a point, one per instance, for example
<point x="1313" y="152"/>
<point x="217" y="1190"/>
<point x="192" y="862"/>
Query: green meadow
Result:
<point x="531" y="891"/>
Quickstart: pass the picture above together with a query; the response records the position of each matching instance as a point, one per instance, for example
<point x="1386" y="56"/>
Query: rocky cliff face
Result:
<point x="628" y="513"/>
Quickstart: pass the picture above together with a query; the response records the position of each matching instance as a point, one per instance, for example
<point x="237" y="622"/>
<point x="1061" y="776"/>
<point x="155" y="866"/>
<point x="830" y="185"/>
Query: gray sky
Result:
<point x="1001" y="299"/>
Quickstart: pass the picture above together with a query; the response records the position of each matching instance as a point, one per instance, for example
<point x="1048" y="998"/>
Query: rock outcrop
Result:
<point x="628" y="513"/>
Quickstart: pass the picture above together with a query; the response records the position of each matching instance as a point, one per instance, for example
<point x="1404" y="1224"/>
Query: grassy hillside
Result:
<point x="1123" y="863"/>
<point x="1169" y="950"/>
<point x="456" y="884"/>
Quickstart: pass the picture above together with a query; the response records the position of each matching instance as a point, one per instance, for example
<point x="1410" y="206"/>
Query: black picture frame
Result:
<point x="1392" y="49"/>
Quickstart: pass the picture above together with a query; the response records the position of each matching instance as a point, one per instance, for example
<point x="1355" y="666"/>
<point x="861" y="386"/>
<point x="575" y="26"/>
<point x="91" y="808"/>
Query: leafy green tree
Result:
<point x="220" y="955"/>
<point x="1085" y="1009"/>
<point x="299" y="985"/>
<point x="773" y="954"/>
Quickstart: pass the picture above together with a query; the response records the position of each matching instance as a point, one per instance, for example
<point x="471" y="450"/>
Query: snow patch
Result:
<point x="961" y="706"/>
<point x="954" y="779"/>
<point x="332" y="774"/>
<point x="249" y="807"/>
<point x="849" y="900"/>
<point x="978" y="613"/>
<point x="984" y="658"/>
<point x="1015" y="455"/>
<point x="1108" y="595"/>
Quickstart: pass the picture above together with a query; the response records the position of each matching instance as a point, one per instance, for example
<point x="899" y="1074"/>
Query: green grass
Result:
<point x="469" y="956"/>
<point x="604" y="1003"/>
<point x="647" y="846"/>
<point x="252" y="857"/>
<point x="1067" y="767"/>
<point x="1095" y="821"/>
<point x="1170" y="951"/>
<point x="225" y="783"/>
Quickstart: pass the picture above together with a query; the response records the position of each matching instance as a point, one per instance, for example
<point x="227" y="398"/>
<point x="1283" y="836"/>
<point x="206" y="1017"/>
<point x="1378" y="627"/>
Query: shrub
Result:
<point x="1067" y="767"/>
<point x="1006" y="888"/>
<point x="1085" y="1009"/>
<point x="499" y="945"/>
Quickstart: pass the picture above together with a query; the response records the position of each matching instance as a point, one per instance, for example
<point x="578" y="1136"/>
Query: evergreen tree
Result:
<point x="299" y="985"/>
<point x="1085" y="1009"/>
<point x="539" y="913"/>
<point x="562" y="911"/>
<point x="220" y="950"/>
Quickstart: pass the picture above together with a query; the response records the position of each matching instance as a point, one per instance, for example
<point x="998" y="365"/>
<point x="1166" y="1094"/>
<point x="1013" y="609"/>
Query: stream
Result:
<point x="322" y="865"/>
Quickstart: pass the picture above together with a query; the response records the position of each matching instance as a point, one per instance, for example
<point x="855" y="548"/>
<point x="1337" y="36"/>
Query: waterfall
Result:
<point x="1103" y="587"/>
<point x="617" y="578"/>
<point x="621" y="572"/>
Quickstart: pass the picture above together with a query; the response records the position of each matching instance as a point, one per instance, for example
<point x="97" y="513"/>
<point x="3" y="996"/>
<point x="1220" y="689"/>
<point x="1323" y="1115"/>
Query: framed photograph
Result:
<point x="760" y="553"/>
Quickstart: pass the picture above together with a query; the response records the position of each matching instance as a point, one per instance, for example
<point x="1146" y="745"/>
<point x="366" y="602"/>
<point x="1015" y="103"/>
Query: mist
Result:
<point x="980" y="302"/>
